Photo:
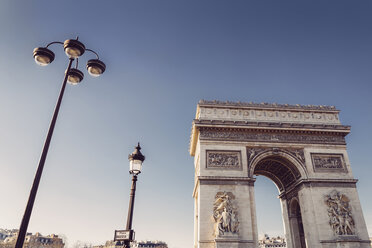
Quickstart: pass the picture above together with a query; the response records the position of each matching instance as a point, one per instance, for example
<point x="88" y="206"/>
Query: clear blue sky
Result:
<point x="162" y="57"/>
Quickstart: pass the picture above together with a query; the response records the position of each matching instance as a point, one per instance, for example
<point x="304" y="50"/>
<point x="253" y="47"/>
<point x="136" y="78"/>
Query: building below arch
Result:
<point x="267" y="242"/>
<point x="8" y="239"/>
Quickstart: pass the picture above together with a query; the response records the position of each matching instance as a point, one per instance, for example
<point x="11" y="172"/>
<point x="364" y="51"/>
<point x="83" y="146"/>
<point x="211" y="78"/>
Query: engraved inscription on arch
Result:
<point x="323" y="162"/>
<point x="224" y="159"/>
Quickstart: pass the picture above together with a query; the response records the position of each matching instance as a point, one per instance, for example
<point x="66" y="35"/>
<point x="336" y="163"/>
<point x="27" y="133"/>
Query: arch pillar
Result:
<point x="286" y="223"/>
<point x="253" y="214"/>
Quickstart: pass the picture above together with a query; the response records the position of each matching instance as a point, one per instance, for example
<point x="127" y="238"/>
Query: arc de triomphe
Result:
<point x="301" y="149"/>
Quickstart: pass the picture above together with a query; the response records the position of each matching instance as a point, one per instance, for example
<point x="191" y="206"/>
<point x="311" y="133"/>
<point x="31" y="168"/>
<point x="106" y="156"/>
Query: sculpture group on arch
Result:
<point x="225" y="214"/>
<point x="339" y="211"/>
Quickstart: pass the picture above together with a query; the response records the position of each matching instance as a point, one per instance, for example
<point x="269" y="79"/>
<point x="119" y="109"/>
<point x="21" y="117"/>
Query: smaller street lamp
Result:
<point x="135" y="166"/>
<point x="135" y="161"/>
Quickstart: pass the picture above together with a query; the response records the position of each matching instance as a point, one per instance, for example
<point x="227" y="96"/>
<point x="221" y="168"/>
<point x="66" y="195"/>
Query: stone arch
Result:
<point x="280" y="166"/>
<point x="274" y="140"/>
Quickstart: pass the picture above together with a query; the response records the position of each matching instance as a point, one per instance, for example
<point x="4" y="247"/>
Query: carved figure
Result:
<point x="349" y="223"/>
<point x="225" y="222"/>
<point x="339" y="212"/>
<point x="225" y="214"/>
<point x="299" y="155"/>
<point x="235" y="222"/>
<point x="252" y="154"/>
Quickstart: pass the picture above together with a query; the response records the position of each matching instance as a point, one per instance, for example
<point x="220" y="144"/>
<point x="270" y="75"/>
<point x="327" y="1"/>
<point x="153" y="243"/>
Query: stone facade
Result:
<point x="302" y="149"/>
<point x="150" y="244"/>
<point x="8" y="239"/>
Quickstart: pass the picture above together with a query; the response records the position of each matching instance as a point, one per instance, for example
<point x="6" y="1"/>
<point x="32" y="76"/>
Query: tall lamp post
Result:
<point x="135" y="165"/>
<point x="43" y="56"/>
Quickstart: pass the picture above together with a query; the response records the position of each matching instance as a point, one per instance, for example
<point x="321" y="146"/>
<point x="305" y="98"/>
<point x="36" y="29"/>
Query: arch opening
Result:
<point x="268" y="212"/>
<point x="281" y="171"/>
<point x="284" y="174"/>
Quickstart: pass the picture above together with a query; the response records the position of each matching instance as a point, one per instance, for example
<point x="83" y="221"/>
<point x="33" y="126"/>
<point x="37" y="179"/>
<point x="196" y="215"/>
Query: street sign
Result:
<point x="123" y="235"/>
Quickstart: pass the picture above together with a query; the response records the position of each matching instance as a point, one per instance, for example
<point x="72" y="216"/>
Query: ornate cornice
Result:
<point x="267" y="105"/>
<point x="345" y="239"/>
<point x="272" y="125"/>
<point x="217" y="180"/>
<point x="221" y="180"/>
<point x="318" y="182"/>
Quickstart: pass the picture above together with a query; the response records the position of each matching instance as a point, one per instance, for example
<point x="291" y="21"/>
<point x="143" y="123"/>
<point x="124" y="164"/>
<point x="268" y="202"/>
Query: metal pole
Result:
<point x="35" y="185"/>
<point x="131" y="207"/>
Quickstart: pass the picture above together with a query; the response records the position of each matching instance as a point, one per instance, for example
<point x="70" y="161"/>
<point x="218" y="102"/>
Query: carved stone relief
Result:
<point x="224" y="159"/>
<point x="299" y="154"/>
<point x="328" y="162"/>
<point x="225" y="215"/>
<point x="253" y="152"/>
<point x="241" y="135"/>
<point x="285" y="172"/>
<point x="296" y="153"/>
<point x="339" y="212"/>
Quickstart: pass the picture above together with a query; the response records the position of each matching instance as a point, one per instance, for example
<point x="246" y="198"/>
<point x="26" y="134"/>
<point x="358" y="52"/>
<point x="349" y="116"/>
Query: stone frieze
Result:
<point x="261" y="112"/>
<point x="224" y="159"/>
<point x="242" y="135"/>
<point x="328" y="162"/>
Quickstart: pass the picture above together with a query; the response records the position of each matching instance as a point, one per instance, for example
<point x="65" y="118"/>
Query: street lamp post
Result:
<point x="135" y="165"/>
<point x="43" y="56"/>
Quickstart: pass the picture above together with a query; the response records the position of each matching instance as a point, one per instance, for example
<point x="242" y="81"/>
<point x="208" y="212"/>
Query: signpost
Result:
<point x="124" y="235"/>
